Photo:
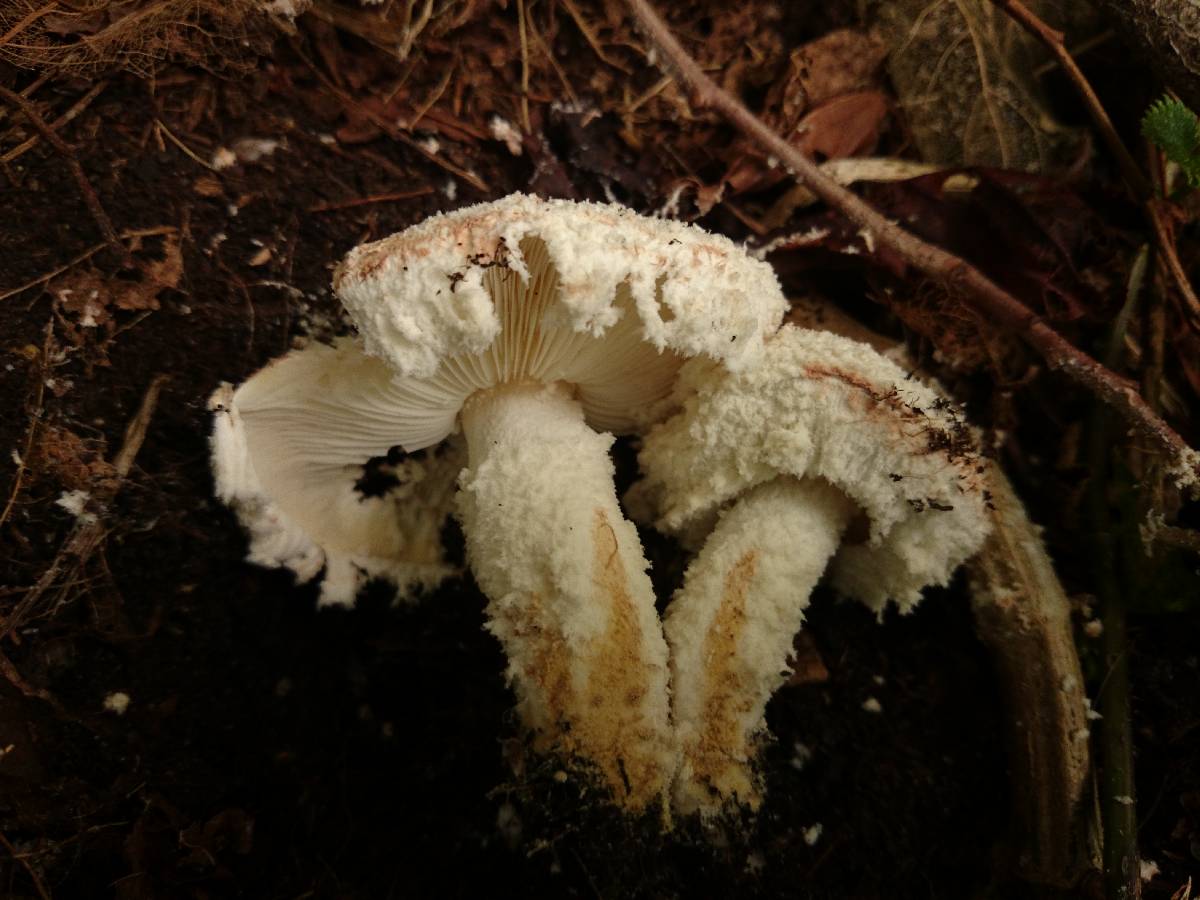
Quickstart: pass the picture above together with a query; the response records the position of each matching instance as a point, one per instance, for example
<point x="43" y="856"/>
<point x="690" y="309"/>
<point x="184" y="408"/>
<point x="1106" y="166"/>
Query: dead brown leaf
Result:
<point x="70" y="461"/>
<point x="157" y="275"/>
<point x="841" y="62"/>
<point x="91" y="296"/>
<point x="845" y="126"/>
<point x="827" y="102"/>
<point x="963" y="73"/>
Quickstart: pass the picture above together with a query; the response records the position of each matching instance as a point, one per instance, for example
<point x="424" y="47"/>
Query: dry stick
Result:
<point x="434" y="96"/>
<point x="85" y="186"/>
<point x="1170" y="258"/>
<point x="33" y="16"/>
<point x="390" y="129"/>
<point x="589" y="35"/>
<point x="365" y="201"/>
<point x="76" y="108"/>
<point x="979" y="291"/>
<point x="86" y="536"/>
<point x="522" y="27"/>
<point x="85" y="255"/>
<point x="35" y="419"/>
<point x="1137" y="183"/>
<point x="14" y="677"/>
<point x="38" y="885"/>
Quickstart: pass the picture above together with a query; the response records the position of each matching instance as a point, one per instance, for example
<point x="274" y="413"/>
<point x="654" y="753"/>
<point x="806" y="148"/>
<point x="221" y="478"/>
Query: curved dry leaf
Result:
<point x="963" y="71"/>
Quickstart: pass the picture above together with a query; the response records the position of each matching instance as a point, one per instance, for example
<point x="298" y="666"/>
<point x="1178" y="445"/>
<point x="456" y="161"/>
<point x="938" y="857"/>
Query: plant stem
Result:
<point x="1122" y="874"/>
<point x="1122" y="879"/>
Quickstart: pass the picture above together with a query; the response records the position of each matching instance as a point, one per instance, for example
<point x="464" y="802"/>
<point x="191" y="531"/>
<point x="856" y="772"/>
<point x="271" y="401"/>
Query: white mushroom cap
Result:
<point x="288" y="451"/>
<point x="546" y="277"/>
<point x="821" y="406"/>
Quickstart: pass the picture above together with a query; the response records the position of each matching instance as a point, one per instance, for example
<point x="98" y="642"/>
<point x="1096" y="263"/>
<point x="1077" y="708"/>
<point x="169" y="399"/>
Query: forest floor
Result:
<point x="271" y="750"/>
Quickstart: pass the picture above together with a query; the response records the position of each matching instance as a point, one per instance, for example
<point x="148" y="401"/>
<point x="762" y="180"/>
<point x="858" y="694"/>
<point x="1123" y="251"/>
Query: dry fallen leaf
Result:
<point x="963" y="72"/>
<point x="841" y="62"/>
<point x="845" y="126"/>
<point x="91" y="295"/>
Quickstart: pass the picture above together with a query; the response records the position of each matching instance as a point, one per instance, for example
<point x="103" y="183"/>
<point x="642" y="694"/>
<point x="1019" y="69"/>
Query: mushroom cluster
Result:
<point x="500" y="348"/>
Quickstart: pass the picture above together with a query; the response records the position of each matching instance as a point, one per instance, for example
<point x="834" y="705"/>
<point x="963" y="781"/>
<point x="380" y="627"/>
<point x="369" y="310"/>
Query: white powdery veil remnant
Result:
<point x="1184" y="471"/>
<point x="288" y="449"/>
<point x="415" y="301"/>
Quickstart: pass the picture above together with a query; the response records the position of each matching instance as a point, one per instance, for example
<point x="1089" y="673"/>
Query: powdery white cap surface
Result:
<point x="289" y="447"/>
<point x="420" y="295"/>
<point x="821" y="406"/>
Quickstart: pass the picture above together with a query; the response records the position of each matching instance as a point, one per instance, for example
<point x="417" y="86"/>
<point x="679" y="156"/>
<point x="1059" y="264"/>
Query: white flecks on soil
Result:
<point x="252" y="149"/>
<point x="508" y="823"/>
<point x="117" y="702"/>
<point x="801" y="754"/>
<point x="872" y="705"/>
<point x="223" y="158"/>
<point x="504" y="131"/>
<point x="75" y="502"/>
<point x="812" y="834"/>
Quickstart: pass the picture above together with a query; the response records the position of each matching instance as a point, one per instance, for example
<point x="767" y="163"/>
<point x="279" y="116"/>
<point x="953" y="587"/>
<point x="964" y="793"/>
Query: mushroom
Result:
<point x="289" y="446"/>
<point x="769" y="470"/>
<point x="543" y="327"/>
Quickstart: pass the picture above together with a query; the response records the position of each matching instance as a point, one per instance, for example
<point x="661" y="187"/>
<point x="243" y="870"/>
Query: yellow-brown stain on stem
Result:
<point x="550" y="672"/>
<point x="611" y="730"/>
<point x="600" y="721"/>
<point x="719" y="756"/>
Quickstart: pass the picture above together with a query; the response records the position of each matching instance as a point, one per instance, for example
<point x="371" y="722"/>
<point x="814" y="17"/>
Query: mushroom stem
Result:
<point x="731" y="627"/>
<point x="569" y="597"/>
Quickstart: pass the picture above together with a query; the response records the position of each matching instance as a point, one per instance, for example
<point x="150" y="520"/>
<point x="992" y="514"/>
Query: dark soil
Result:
<point x="273" y="751"/>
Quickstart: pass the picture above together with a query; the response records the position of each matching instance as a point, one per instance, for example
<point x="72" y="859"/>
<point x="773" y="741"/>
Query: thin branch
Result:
<point x="82" y="257"/>
<point x="590" y="36"/>
<point x="522" y="29"/>
<point x="88" y="533"/>
<point x="76" y="108"/>
<point x="391" y="130"/>
<point x="976" y="289"/>
<point x="68" y="155"/>
<point x="38" y="884"/>
<point x="1170" y="259"/>
<point x="365" y="201"/>
<point x="35" y="419"/>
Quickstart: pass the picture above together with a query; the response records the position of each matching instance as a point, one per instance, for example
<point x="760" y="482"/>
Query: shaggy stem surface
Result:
<point x="731" y="628"/>
<point x="569" y="597"/>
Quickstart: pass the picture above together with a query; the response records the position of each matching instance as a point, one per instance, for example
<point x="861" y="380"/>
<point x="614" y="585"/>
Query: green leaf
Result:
<point x="1173" y="127"/>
